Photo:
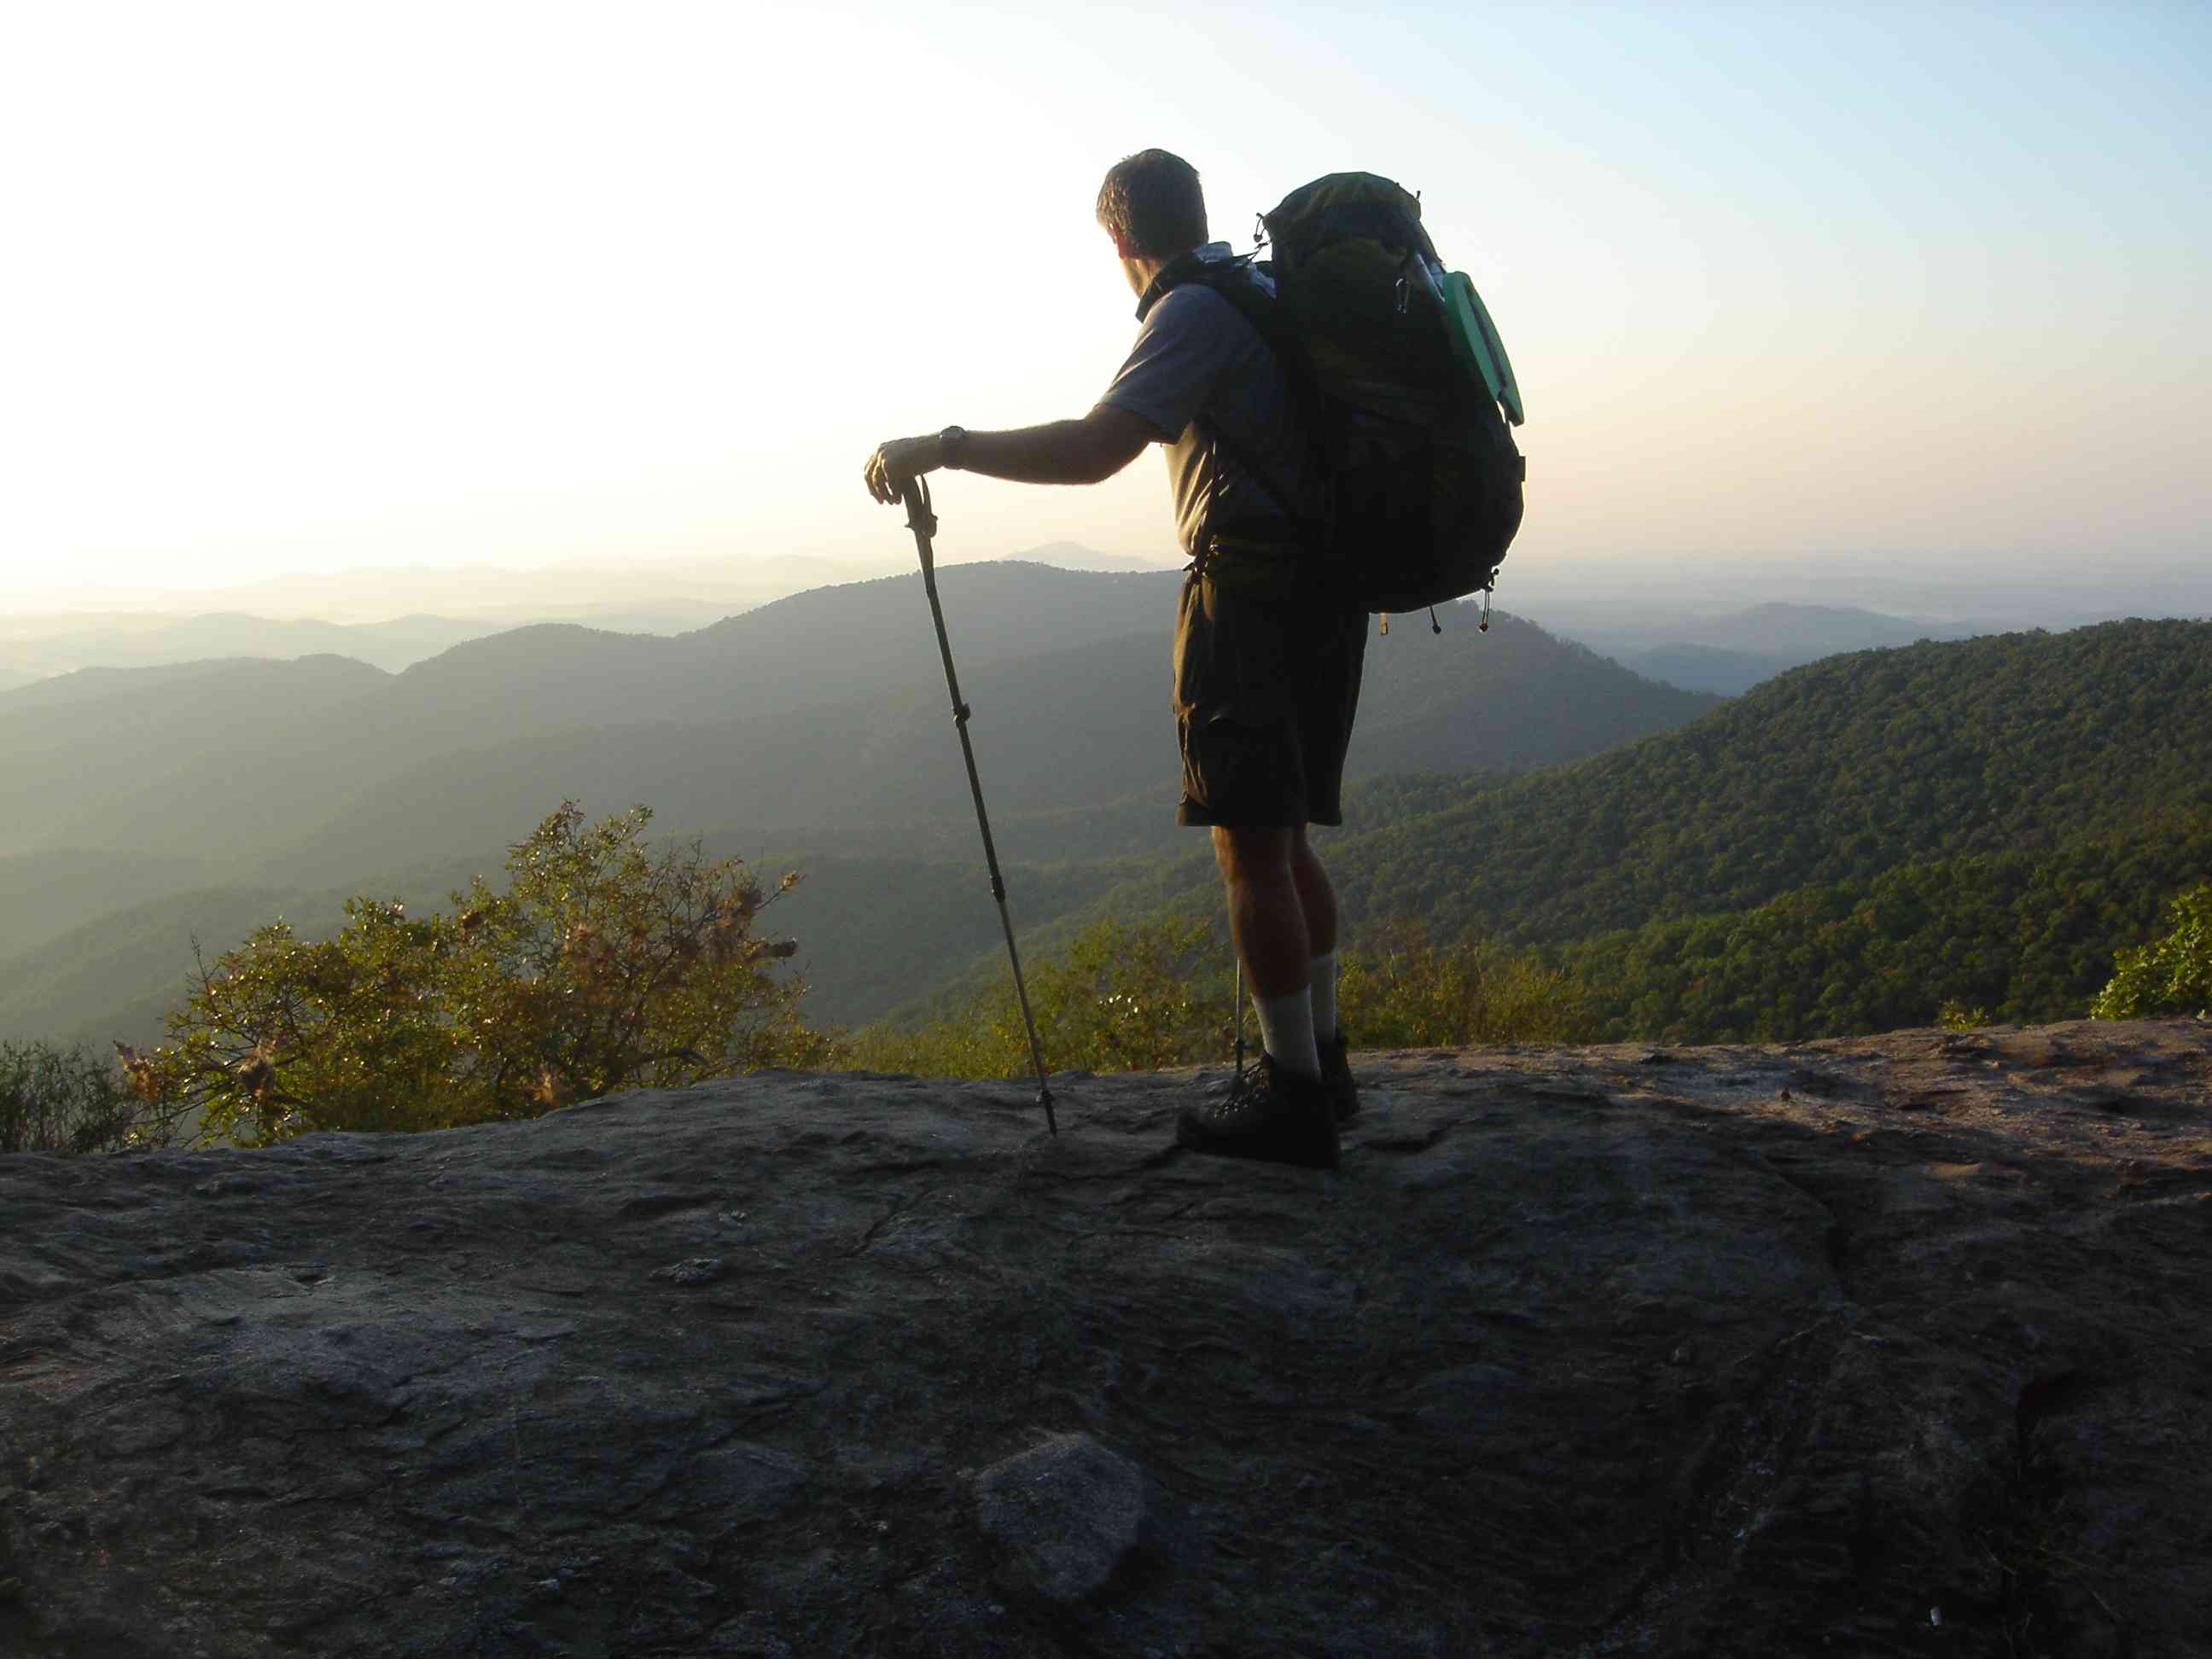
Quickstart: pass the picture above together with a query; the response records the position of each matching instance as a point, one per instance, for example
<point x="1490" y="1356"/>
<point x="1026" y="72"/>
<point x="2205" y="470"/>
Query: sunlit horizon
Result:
<point x="509" y="287"/>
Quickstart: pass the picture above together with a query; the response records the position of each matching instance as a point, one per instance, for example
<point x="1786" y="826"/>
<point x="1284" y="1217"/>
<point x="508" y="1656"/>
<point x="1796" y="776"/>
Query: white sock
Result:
<point x="1324" y="996"/>
<point x="1286" y="1031"/>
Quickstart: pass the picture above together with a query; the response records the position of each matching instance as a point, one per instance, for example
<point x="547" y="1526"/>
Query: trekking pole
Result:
<point x="923" y="522"/>
<point x="1239" y="1011"/>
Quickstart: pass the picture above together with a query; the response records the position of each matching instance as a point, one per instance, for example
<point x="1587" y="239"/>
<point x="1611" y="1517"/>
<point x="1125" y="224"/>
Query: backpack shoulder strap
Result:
<point x="1232" y="280"/>
<point x="1184" y="268"/>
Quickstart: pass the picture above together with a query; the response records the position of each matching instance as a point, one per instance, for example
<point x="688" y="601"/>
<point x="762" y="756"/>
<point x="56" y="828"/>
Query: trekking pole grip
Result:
<point x="920" y="517"/>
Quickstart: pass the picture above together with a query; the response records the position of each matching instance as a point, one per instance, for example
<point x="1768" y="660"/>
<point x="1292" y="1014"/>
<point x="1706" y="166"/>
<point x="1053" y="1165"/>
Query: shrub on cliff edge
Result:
<point x="2170" y="975"/>
<point x="600" y="968"/>
<point x="69" y="1100"/>
<point x="1151" y="993"/>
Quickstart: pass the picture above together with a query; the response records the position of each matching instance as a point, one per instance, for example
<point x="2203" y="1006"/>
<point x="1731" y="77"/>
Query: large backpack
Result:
<point x="1405" y="392"/>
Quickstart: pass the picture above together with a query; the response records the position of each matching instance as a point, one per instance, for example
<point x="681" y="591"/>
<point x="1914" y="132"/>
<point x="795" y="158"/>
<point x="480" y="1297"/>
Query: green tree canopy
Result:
<point x="1400" y="989"/>
<point x="1124" y="996"/>
<point x="1155" y="991"/>
<point x="54" y="1099"/>
<point x="603" y="966"/>
<point x="2170" y="975"/>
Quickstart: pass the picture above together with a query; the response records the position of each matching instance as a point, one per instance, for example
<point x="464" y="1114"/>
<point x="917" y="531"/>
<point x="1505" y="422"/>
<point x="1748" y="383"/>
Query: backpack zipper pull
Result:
<point x="1385" y="624"/>
<point x="1435" y="627"/>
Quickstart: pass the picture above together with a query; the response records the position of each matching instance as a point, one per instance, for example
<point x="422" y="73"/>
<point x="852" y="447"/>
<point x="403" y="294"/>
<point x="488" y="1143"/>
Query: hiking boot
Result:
<point x="1267" y="1114"/>
<point x="1336" y="1078"/>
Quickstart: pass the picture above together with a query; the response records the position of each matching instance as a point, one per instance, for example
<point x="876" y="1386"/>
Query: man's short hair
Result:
<point x="1151" y="201"/>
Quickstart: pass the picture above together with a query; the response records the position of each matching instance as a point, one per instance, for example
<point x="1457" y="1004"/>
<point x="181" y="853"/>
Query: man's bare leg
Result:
<point x="1267" y="922"/>
<point x="1317" y="898"/>
<point x="1285" y="1110"/>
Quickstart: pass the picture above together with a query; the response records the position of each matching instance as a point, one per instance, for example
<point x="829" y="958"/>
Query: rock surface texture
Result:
<point x="1886" y="1345"/>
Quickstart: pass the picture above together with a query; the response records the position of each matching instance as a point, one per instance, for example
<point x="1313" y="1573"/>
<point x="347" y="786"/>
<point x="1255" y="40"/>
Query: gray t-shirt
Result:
<point x="1198" y="366"/>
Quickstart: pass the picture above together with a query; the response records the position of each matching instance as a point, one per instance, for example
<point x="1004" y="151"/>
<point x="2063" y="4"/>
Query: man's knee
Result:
<point x="1253" y="855"/>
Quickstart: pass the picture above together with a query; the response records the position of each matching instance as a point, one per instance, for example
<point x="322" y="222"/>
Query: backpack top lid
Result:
<point x="1362" y="226"/>
<point x="1341" y="205"/>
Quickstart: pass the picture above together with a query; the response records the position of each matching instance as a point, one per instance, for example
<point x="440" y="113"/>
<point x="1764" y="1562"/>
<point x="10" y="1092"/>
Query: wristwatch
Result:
<point x="951" y="443"/>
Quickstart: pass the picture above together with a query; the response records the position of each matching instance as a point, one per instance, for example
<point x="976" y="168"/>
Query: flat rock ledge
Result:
<point x="1884" y="1345"/>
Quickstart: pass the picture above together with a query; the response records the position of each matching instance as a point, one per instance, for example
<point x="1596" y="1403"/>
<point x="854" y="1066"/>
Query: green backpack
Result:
<point x="1405" y="389"/>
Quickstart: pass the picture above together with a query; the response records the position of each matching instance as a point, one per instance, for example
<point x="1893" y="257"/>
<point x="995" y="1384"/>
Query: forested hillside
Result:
<point x="195" y="760"/>
<point x="110" y="979"/>
<point x="1851" y="848"/>
<point x="1849" y="845"/>
<point x="2022" y="937"/>
<point x="45" y="894"/>
<point x="91" y="686"/>
<point x="1831" y="774"/>
<point x="113" y="977"/>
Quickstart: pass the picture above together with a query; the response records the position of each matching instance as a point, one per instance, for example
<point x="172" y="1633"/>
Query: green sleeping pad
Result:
<point x="1474" y="336"/>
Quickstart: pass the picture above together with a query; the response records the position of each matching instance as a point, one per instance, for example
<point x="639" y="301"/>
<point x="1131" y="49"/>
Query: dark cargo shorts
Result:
<point x="1265" y="693"/>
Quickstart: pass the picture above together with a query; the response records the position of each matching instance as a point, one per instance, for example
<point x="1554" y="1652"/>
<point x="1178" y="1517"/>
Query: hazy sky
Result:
<point x="300" y="286"/>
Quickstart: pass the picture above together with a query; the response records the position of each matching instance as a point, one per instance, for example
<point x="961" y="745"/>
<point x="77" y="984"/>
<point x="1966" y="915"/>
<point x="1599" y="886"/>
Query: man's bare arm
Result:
<point x="1087" y="451"/>
<point x="1080" y="452"/>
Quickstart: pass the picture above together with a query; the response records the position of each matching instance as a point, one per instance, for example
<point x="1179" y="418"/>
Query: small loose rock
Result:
<point x="693" y="1270"/>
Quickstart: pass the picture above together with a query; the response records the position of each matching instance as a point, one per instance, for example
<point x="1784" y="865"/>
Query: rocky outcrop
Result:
<point x="1894" y="1345"/>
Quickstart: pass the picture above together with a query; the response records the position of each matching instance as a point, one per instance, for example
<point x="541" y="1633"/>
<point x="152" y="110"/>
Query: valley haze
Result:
<point x="159" y="802"/>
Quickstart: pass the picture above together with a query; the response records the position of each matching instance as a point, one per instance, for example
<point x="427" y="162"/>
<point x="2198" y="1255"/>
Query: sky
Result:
<point x="301" y="287"/>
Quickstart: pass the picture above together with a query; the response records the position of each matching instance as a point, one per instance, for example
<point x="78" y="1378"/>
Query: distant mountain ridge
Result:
<point x="1786" y="628"/>
<point x="1058" y="730"/>
<point x="390" y="646"/>
<point x="137" y="767"/>
<point x="1073" y="555"/>
<point x="1842" y="805"/>
<point x="112" y="757"/>
<point x="309" y="777"/>
<point x="289" y="617"/>
<point x="1709" y="667"/>
<point x="1729" y="653"/>
<point x="88" y="685"/>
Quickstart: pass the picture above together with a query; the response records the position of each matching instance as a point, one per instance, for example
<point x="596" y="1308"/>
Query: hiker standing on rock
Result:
<point x="1266" y="674"/>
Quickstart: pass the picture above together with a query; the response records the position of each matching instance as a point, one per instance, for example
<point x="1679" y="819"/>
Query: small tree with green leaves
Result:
<point x="1124" y="996"/>
<point x="1400" y="989"/>
<point x="603" y="966"/>
<point x="2170" y="975"/>
<point x="1957" y="1016"/>
<point x="54" y="1099"/>
<point x="1147" y="995"/>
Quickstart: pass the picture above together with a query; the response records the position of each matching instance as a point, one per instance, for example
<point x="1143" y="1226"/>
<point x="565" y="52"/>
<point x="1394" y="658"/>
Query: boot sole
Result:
<point x="1305" y="1151"/>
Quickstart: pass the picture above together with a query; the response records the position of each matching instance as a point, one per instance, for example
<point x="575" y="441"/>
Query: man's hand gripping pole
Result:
<point x="923" y="522"/>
